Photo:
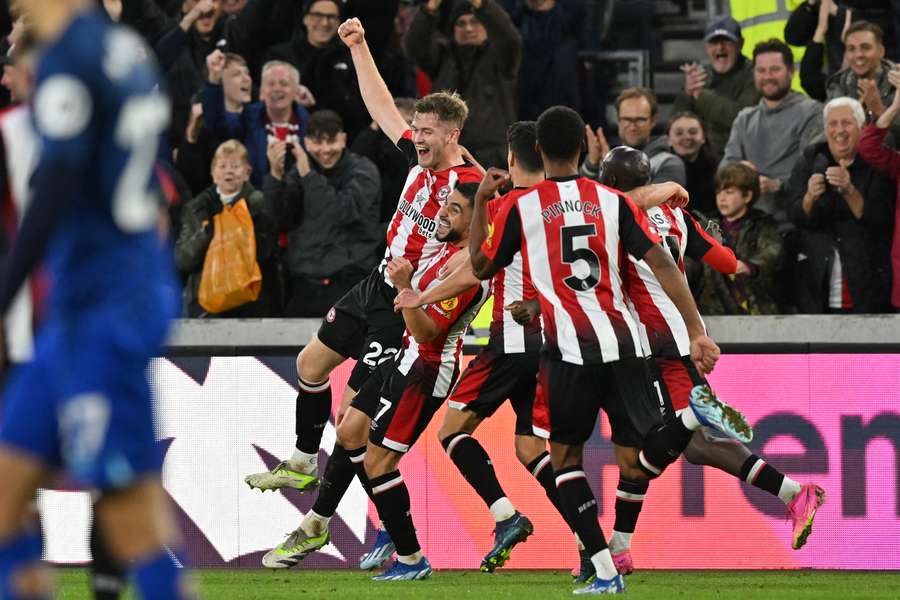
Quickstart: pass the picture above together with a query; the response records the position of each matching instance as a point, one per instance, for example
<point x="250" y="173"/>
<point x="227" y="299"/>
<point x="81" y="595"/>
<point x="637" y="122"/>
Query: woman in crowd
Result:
<point x="687" y="139"/>
<point x="231" y="184"/>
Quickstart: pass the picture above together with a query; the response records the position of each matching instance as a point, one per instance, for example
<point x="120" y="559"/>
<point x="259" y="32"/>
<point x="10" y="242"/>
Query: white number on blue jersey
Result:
<point x="141" y="121"/>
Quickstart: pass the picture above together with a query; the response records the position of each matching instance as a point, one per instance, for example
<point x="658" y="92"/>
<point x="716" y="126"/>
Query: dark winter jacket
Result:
<point x="197" y="231"/>
<point x="485" y="76"/>
<point x="701" y="185"/>
<point x="864" y="244"/>
<point x="550" y="39"/>
<point x="887" y="161"/>
<point x="392" y="165"/>
<point x="331" y="217"/>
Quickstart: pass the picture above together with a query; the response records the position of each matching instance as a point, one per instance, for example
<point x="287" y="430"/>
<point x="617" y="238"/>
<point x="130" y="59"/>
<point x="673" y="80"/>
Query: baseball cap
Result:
<point x="725" y="27"/>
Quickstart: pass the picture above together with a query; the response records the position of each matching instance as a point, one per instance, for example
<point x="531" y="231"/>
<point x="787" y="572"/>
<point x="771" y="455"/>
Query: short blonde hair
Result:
<point x="449" y="108"/>
<point x="231" y="148"/>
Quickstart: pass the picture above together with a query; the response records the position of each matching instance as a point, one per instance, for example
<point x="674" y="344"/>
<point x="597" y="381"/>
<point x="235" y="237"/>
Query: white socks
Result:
<point x="690" y="419"/>
<point x="412" y="559"/>
<point x="789" y="489"/>
<point x="314" y="524"/>
<point x="603" y="564"/>
<point x="502" y="509"/>
<point x="619" y="542"/>
<point x="303" y="462"/>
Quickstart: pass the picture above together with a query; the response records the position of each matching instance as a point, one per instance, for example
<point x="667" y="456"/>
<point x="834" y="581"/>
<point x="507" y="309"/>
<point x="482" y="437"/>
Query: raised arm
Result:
<point x="375" y="93"/>
<point x="482" y="265"/>
<point x="503" y="35"/>
<point x="222" y="124"/>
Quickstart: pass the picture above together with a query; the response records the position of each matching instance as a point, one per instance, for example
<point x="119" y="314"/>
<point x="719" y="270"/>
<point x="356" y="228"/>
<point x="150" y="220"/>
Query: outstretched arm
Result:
<point x="375" y="93"/>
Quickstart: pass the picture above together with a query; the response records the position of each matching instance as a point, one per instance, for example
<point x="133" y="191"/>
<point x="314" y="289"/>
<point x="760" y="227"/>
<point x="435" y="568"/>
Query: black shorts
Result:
<point x="491" y="378"/>
<point x="363" y="325"/>
<point x="400" y="406"/>
<point x="571" y="396"/>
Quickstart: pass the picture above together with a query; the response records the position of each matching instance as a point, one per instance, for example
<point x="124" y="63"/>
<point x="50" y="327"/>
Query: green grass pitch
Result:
<point x="525" y="585"/>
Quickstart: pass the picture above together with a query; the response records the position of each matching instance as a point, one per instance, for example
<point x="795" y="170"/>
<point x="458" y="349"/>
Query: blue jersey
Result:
<point x="98" y="103"/>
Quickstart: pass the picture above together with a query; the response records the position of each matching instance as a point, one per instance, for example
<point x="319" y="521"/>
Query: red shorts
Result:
<point x="679" y="376"/>
<point x="492" y="378"/>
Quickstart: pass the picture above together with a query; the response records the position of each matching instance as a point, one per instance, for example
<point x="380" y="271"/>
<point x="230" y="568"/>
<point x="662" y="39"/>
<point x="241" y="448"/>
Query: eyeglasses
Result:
<point x="317" y="16"/>
<point x="634" y="120"/>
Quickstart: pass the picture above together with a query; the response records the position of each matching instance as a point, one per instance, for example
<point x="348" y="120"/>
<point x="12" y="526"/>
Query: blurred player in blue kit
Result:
<point x="84" y="402"/>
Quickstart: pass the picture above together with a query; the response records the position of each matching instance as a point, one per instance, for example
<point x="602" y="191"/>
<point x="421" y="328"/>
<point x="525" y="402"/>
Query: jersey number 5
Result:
<point x="584" y="262"/>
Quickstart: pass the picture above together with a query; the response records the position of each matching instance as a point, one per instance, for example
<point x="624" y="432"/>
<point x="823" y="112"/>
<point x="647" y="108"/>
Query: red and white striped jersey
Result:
<point x="661" y="323"/>
<point x="511" y="285"/>
<point x="412" y="229"/>
<point x="452" y="316"/>
<point x="573" y="234"/>
<point x="20" y="157"/>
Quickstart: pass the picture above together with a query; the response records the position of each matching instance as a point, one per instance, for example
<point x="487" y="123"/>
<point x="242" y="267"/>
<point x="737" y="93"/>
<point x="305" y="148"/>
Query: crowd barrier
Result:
<point x="822" y="394"/>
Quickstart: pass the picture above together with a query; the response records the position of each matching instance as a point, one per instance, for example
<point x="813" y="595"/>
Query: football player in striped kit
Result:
<point x="573" y="235"/>
<point x="675" y="375"/>
<point x="400" y="406"/>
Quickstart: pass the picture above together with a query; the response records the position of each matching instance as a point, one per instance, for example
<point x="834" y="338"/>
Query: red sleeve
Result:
<point x="446" y="312"/>
<point x="703" y="247"/>
<point x="872" y="149"/>
<point x="504" y="235"/>
<point x="469" y="174"/>
<point x="634" y="230"/>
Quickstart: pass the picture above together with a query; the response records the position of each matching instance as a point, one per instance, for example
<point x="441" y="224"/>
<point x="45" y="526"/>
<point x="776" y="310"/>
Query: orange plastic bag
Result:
<point x="231" y="275"/>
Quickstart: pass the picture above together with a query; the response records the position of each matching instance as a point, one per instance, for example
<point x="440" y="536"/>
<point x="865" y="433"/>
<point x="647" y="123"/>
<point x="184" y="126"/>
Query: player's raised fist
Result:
<point x="680" y="197"/>
<point x="351" y="32"/>
<point x="215" y="64"/>
<point x="399" y="271"/>
<point x="705" y="353"/>
<point x="493" y="180"/>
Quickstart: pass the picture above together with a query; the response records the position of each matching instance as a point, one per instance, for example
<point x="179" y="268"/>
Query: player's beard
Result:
<point x="779" y="94"/>
<point x="452" y="236"/>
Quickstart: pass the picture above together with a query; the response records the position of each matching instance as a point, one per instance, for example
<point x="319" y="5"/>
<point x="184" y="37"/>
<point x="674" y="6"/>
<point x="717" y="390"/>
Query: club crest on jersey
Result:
<point x="330" y="316"/>
<point x="443" y="193"/>
<point x="449" y="304"/>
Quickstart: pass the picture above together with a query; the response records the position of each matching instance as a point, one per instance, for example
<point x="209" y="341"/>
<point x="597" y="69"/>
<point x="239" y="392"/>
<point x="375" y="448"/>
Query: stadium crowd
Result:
<point x="267" y="109"/>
